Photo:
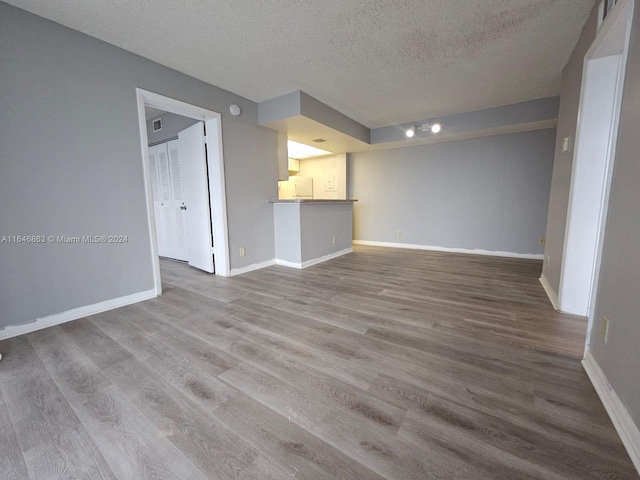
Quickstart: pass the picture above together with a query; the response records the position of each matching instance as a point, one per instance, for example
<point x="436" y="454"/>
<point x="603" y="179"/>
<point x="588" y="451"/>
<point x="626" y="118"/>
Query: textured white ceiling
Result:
<point x="380" y="62"/>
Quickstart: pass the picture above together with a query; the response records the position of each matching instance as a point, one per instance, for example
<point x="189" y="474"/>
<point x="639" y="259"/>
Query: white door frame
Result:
<point x="596" y="136"/>
<point x="218" y="198"/>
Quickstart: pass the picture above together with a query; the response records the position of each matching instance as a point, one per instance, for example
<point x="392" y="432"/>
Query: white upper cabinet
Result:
<point x="294" y="165"/>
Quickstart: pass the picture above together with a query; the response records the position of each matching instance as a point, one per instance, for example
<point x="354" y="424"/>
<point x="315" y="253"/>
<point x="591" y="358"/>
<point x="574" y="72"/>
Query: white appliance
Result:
<point x="296" y="187"/>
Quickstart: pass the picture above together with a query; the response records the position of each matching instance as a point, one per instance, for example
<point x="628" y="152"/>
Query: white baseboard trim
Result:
<point x="622" y="421"/>
<point x="553" y="298"/>
<point x="531" y="256"/>
<point x="287" y="263"/>
<point x="251" y="268"/>
<point x="74" y="314"/>
<point x="314" y="261"/>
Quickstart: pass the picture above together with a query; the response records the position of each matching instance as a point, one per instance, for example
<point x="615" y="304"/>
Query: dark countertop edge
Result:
<point x="310" y="201"/>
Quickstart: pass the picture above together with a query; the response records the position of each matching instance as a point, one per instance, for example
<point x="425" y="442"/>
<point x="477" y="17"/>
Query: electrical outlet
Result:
<point x="604" y="329"/>
<point x="540" y="240"/>
<point x="399" y="233"/>
<point x="242" y="252"/>
<point x="334" y="239"/>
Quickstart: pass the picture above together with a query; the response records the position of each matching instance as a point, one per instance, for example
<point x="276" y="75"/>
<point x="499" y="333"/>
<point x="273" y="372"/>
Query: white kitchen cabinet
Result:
<point x="294" y="165"/>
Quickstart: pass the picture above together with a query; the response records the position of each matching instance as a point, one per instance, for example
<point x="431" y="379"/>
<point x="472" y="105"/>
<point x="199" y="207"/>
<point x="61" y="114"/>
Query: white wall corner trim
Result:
<point x="531" y="256"/>
<point x="553" y="297"/>
<point x="251" y="268"/>
<point x="313" y="261"/>
<point x="75" y="313"/>
<point x="622" y="421"/>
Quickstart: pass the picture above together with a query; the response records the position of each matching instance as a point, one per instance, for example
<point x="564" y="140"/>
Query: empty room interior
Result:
<point x="350" y="239"/>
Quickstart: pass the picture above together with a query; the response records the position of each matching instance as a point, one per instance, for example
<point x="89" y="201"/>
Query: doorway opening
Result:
<point x="170" y="189"/>
<point x="595" y="145"/>
<point x="213" y="203"/>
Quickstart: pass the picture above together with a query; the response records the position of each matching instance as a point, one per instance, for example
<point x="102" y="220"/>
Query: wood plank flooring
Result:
<point x="381" y="364"/>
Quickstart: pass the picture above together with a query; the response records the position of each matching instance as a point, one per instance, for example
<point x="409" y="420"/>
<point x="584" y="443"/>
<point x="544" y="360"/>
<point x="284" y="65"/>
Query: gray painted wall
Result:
<point x="71" y="165"/>
<point x="275" y="109"/>
<point x="488" y="193"/>
<point x="252" y="181"/>
<point x="318" y="225"/>
<point x="320" y="112"/>
<point x="286" y="217"/>
<point x="172" y="124"/>
<point x="299" y="103"/>
<point x="305" y="231"/>
<point x="619" y="283"/>
<point x="563" y="162"/>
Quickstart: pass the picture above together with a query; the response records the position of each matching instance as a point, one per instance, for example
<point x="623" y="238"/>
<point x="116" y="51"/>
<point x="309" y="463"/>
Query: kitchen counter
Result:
<point x="312" y="231"/>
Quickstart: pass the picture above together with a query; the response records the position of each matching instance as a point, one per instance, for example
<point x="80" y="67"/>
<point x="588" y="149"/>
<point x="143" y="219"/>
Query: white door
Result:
<point x="161" y="182"/>
<point x="157" y="199"/>
<point x="168" y="205"/>
<point x="177" y="204"/>
<point x="195" y="191"/>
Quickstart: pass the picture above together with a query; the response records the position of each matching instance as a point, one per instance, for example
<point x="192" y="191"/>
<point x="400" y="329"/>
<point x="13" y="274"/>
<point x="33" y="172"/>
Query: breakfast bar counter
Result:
<point x="312" y="231"/>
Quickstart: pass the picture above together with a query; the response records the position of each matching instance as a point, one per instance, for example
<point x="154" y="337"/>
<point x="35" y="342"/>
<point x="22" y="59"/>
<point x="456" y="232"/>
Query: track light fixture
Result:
<point x="424" y="128"/>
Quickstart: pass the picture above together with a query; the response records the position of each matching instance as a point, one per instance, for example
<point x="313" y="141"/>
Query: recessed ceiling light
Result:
<point x="436" y="127"/>
<point x="300" y="150"/>
<point x="411" y="131"/>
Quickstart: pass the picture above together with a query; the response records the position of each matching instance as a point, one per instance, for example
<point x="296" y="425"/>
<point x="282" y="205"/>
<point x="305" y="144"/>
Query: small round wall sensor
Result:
<point x="235" y="110"/>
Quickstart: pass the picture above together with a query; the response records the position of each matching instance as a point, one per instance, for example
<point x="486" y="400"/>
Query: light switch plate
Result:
<point x="331" y="183"/>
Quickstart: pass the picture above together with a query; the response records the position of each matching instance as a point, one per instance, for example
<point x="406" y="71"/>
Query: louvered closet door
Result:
<point x="178" y="206"/>
<point x="157" y="200"/>
<point x="166" y="204"/>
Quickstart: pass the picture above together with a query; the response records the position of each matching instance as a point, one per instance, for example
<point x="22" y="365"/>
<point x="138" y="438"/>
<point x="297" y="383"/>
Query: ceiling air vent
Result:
<point x="319" y="140"/>
<point x="157" y="125"/>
